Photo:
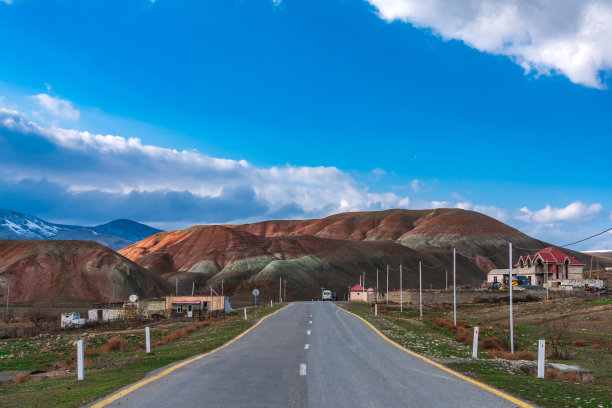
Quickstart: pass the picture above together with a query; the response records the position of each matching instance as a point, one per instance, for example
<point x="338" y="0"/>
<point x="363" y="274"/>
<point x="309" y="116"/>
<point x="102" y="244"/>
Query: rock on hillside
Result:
<point x="55" y="272"/>
<point x="332" y="251"/>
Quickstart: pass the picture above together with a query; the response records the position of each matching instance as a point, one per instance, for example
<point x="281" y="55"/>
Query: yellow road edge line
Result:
<point x="440" y="366"/>
<point x="146" y="381"/>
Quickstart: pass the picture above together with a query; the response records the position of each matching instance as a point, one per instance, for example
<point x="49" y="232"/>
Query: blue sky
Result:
<point x="176" y="113"/>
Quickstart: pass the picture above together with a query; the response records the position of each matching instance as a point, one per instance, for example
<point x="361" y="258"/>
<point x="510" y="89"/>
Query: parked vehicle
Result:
<point x="327" y="295"/>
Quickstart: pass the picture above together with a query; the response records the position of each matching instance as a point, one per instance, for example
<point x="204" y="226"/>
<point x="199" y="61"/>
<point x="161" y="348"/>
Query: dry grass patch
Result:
<point x="21" y="378"/>
<point x="579" y="343"/>
<point x="552" y="373"/>
<point x="115" y="344"/>
<point x="506" y="355"/>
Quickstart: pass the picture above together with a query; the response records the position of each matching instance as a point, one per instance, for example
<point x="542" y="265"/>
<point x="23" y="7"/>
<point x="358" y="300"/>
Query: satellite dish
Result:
<point x="133" y="298"/>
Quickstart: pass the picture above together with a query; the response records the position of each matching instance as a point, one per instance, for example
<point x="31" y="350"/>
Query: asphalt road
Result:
<point x="310" y="354"/>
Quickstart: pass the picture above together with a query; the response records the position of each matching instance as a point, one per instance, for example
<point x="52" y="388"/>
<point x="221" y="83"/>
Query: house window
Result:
<point x="495" y="279"/>
<point x="179" y="308"/>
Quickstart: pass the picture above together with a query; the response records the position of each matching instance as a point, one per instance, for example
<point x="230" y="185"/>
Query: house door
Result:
<point x="100" y="314"/>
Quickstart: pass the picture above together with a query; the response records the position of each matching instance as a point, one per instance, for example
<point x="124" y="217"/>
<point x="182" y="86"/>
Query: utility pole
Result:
<point x="8" y="295"/>
<point x="401" y="291"/>
<point x="176" y="286"/>
<point x="376" y="285"/>
<point x="221" y="287"/>
<point x="280" y="290"/>
<point x="192" y="288"/>
<point x="387" y="300"/>
<point x="420" y="293"/>
<point x="364" y="286"/>
<point x="455" y="286"/>
<point x="211" y="290"/>
<point x="511" y="317"/>
<point x="446" y="274"/>
<point x="322" y="289"/>
<point x="285" y="293"/>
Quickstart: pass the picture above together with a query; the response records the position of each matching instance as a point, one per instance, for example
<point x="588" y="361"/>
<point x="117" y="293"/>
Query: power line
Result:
<point x="482" y="257"/>
<point x="582" y="240"/>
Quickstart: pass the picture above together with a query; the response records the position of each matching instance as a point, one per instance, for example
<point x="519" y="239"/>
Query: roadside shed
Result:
<point x="194" y="305"/>
<point x="358" y="294"/>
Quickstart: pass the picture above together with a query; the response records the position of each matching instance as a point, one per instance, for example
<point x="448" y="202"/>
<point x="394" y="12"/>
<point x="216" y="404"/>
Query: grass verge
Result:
<point x="109" y="371"/>
<point x="433" y="339"/>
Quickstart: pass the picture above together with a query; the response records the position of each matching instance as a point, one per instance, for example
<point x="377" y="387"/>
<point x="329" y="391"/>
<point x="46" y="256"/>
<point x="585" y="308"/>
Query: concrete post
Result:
<point x="455" y="286"/>
<point x="375" y="309"/>
<point x="420" y="293"/>
<point x="245" y="313"/>
<point x="80" y="361"/>
<point x="475" y="345"/>
<point x="541" y="357"/>
<point x="271" y="303"/>
<point x="148" y="339"/>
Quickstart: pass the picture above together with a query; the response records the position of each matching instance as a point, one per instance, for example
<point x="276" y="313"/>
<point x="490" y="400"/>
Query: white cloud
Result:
<point x="57" y="106"/>
<point x="544" y="36"/>
<point x="84" y="161"/>
<point x="7" y="1"/>
<point x="378" y="173"/>
<point x="416" y="185"/>
<point x="574" y="212"/>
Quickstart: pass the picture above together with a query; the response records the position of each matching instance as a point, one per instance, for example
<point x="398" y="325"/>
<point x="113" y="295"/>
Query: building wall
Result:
<point x="215" y="303"/>
<point x="150" y="307"/>
<point x="411" y="296"/>
<point x="356" y="296"/>
<point x="575" y="272"/>
<point x="107" y="314"/>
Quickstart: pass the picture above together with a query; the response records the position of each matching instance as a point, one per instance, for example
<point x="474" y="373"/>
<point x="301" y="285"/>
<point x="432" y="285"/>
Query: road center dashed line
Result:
<point x="302" y="369"/>
<point x="306" y="346"/>
<point x="308" y="332"/>
<point x="310" y="322"/>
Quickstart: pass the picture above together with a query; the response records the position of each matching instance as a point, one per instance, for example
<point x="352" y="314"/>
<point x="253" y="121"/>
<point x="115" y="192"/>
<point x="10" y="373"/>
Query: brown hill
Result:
<point x="56" y="272"/>
<point x="332" y="252"/>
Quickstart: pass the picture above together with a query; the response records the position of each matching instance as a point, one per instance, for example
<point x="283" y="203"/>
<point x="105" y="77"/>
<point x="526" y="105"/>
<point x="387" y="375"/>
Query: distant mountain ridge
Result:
<point x="116" y="234"/>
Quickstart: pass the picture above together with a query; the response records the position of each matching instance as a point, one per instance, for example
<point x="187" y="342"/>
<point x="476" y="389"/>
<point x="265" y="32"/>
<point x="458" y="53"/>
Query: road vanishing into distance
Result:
<point x="309" y="354"/>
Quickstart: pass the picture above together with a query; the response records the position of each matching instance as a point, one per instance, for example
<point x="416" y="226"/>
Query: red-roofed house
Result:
<point x="358" y="293"/>
<point x="549" y="266"/>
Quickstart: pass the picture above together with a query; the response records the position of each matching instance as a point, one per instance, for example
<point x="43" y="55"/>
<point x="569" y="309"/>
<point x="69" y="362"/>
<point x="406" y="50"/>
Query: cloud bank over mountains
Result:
<point x="69" y="175"/>
<point x="101" y="174"/>
<point x="543" y="36"/>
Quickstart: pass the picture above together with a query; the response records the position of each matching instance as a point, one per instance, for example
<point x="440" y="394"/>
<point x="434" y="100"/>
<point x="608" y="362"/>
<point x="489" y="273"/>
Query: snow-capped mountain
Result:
<point x="115" y="234"/>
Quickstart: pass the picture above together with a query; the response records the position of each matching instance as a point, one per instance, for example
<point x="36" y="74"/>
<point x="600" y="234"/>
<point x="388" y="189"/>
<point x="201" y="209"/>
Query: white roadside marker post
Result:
<point x="376" y="309"/>
<point x="245" y="313"/>
<point x="420" y="293"/>
<point x="148" y="339"/>
<point x="455" y="287"/>
<point x="475" y="345"/>
<point x="401" y="291"/>
<point x="541" y="356"/>
<point x="270" y="302"/>
<point x="80" y="361"/>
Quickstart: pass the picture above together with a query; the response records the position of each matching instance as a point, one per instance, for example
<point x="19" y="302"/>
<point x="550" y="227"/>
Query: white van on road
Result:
<point x="327" y="295"/>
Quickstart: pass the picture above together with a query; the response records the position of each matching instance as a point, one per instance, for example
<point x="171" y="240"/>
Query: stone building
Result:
<point x="549" y="267"/>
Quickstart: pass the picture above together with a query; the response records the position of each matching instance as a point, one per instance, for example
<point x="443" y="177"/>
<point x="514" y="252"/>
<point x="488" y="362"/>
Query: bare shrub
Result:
<point x="595" y="345"/>
<point x="552" y="373"/>
<point x="491" y="343"/>
<point x="571" y="377"/>
<point x="114" y="344"/>
<point x="579" y="343"/>
<point x="464" y="335"/>
<point x="21" y="378"/>
<point x="559" y="354"/>
<point x="66" y="365"/>
<point x="463" y="323"/>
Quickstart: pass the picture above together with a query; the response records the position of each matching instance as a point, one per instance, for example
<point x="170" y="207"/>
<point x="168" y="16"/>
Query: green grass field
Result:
<point x="438" y="343"/>
<point x="107" y="372"/>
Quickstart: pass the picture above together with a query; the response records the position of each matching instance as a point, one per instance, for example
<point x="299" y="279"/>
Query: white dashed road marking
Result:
<point x="302" y="369"/>
<point x="308" y="332"/>
<point x="306" y="346"/>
